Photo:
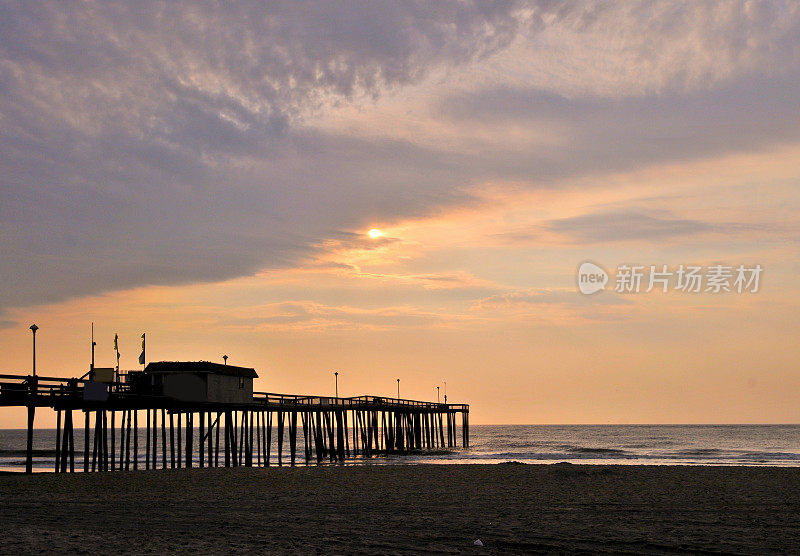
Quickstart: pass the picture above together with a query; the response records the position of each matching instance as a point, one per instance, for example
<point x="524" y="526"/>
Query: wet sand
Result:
<point x="405" y="509"/>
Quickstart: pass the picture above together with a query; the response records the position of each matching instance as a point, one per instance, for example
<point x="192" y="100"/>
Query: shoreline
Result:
<point x="376" y="462"/>
<point x="407" y="509"/>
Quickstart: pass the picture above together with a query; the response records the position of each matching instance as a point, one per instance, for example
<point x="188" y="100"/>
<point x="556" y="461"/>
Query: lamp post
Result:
<point x="445" y="392"/>
<point x="225" y="359"/>
<point x="34" y="328"/>
<point x="33" y="386"/>
<point x="336" y="375"/>
<point x="437" y="395"/>
<point x="398" y="388"/>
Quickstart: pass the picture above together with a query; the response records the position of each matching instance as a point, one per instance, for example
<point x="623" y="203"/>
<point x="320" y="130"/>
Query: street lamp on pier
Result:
<point x="34" y="328"/>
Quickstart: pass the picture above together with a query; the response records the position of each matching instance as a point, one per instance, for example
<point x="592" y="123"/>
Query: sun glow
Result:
<point x="375" y="233"/>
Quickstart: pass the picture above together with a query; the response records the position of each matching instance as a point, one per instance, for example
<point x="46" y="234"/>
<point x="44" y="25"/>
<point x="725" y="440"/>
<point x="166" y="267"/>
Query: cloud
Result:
<point x="636" y="225"/>
<point x="542" y="296"/>
<point x="628" y="49"/>
<point x="625" y="226"/>
<point x="164" y="144"/>
<point x="558" y="306"/>
<point x="594" y="135"/>
<point x="312" y="315"/>
<point x="247" y="63"/>
<point x="157" y="143"/>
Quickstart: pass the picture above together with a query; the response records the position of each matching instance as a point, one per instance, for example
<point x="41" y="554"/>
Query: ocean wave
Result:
<point x="699" y="452"/>
<point x="36" y="464"/>
<point x="527" y="444"/>
<point x="434" y="452"/>
<point x="529" y="456"/>
<point x="38" y="453"/>
<point x="590" y="450"/>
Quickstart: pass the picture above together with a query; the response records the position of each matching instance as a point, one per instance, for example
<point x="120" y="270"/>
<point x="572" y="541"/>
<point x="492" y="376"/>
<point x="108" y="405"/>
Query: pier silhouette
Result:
<point x="206" y="414"/>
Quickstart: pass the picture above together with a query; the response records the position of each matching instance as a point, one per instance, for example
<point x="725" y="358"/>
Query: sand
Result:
<point x="405" y="509"/>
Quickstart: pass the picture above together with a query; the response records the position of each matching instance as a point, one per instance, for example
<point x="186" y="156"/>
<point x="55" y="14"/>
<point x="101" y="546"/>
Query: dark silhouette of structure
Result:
<point x="206" y="414"/>
<point x="197" y="381"/>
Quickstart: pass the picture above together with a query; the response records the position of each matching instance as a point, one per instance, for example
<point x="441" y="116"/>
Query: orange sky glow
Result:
<point x="427" y="226"/>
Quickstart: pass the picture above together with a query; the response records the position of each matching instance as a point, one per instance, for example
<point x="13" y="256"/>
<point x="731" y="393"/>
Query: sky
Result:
<point x="209" y="174"/>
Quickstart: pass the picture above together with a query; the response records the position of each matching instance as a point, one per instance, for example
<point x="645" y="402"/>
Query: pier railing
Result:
<point x="51" y="390"/>
<point x="349" y="402"/>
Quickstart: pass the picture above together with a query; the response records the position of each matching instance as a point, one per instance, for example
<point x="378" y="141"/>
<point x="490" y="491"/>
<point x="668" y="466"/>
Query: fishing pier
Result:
<point x="207" y="415"/>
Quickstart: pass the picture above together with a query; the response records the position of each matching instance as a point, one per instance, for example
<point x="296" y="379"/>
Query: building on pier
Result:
<point x="199" y="381"/>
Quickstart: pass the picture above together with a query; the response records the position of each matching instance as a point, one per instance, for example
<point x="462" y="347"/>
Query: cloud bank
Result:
<point x="153" y="143"/>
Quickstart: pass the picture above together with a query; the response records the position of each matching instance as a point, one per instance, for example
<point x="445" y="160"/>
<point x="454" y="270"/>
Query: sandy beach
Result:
<point x="405" y="509"/>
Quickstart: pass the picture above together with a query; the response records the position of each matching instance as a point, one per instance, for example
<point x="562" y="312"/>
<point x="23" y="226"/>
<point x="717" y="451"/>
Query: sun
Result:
<point x="375" y="233"/>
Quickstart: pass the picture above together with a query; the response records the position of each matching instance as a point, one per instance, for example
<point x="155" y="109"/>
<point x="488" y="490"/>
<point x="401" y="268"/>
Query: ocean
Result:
<point x="772" y="445"/>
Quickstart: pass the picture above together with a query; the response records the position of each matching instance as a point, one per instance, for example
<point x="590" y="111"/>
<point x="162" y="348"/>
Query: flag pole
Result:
<point x="116" y="348"/>
<point x="142" y="356"/>
<point x="91" y="367"/>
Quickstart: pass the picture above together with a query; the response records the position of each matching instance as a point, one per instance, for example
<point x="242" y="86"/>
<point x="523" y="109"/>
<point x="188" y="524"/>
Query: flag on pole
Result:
<point x="141" y="356"/>
<point x="116" y="348"/>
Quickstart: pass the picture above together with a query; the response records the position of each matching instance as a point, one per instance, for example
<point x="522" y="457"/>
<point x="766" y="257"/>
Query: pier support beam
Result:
<point x="268" y="440"/>
<point x="113" y="441"/>
<point x="280" y="437"/>
<point x="128" y="442"/>
<point x="29" y="444"/>
<point x="189" y="438"/>
<point x="201" y="440"/>
<point x="292" y="436"/>
<point x="105" y="440"/>
<point x="86" y="434"/>
<point x="147" y="442"/>
<point x="58" y="441"/>
<point x="172" y="441"/>
<point x="163" y="439"/>
<point x="135" y="439"/>
<point x="69" y="438"/>
<point x="227" y="439"/>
